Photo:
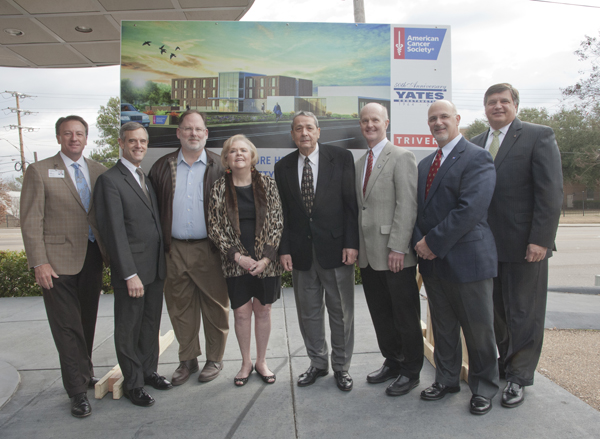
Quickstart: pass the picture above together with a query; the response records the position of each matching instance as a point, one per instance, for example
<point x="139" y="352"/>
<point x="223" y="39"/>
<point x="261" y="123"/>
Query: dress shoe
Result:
<point x="183" y="371"/>
<point x="80" y="405"/>
<point x="513" y="395"/>
<point x="92" y="382"/>
<point x="310" y="376"/>
<point x="438" y="391"/>
<point x="480" y="405"/>
<point x="343" y="380"/>
<point x="210" y="371"/>
<point x="158" y="382"/>
<point x="139" y="396"/>
<point x="401" y="386"/>
<point x="382" y="374"/>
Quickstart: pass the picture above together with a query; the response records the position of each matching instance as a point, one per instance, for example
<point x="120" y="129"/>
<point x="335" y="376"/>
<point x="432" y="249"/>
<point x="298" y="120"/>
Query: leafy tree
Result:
<point x="151" y="93"/>
<point x="108" y="123"/>
<point x="5" y="200"/>
<point x="587" y="90"/>
<point x="477" y="127"/>
<point x="578" y="136"/>
<point x="16" y="184"/>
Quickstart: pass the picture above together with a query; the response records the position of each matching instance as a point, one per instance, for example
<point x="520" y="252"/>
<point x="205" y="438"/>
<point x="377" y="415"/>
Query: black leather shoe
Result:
<point x="343" y="380"/>
<point x="382" y="375"/>
<point x="93" y="381"/>
<point x="80" y="405"/>
<point x="158" y="382"/>
<point x="139" y="396"/>
<point x="310" y="376"/>
<point x="183" y="371"/>
<point x="438" y="391"/>
<point x="401" y="386"/>
<point x="513" y="395"/>
<point x="480" y="405"/>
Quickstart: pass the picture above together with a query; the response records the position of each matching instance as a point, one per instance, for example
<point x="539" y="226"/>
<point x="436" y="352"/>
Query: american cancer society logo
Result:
<point x="417" y="43"/>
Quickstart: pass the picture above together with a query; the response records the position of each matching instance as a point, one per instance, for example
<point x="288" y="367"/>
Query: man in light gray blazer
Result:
<point x="386" y="190"/>
<point x="523" y="216"/>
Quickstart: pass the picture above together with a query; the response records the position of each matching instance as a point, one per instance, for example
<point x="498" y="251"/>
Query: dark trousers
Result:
<point x="72" y="308"/>
<point x="393" y="301"/>
<point x="137" y="328"/>
<point x="520" y="293"/>
<point x="467" y="305"/>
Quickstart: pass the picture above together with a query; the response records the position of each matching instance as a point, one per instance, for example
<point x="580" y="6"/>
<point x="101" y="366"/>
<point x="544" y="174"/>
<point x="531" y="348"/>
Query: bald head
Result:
<point x="443" y="120"/>
<point x="373" y="123"/>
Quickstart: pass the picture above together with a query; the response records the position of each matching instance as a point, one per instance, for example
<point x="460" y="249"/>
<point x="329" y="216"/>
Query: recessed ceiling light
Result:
<point x="83" y="29"/>
<point x="14" y="32"/>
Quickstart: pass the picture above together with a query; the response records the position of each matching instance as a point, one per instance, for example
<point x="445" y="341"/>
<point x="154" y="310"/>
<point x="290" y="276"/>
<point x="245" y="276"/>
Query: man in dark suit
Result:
<point x="523" y="217"/>
<point x="128" y="220"/>
<point x="457" y="258"/>
<point x="320" y="245"/>
<point x="386" y="191"/>
<point x="58" y="227"/>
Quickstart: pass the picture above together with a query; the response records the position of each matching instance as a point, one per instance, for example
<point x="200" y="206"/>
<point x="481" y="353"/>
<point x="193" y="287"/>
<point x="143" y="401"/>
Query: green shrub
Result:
<point x="17" y="280"/>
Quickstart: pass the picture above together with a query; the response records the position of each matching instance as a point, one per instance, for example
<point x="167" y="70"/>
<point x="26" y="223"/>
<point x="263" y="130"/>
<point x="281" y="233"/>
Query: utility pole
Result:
<point x="18" y="110"/>
<point x="359" y="11"/>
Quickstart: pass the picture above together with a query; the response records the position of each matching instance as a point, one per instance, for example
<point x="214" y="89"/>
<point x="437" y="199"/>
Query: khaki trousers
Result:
<point x="195" y="288"/>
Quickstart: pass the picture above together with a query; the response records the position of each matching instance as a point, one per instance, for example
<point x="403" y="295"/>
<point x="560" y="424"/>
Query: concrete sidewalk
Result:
<point x="40" y="407"/>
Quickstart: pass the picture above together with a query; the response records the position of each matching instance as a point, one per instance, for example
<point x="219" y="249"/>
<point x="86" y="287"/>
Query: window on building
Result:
<point x="184" y="94"/>
<point x="203" y="93"/>
<point x="204" y="83"/>
<point x="250" y="82"/>
<point x="250" y="94"/>
<point x="176" y="83"/>
<point x="262" y="92"/>
<point x="262" y="82"/>
<point x="193" y="94"/>
<point x="176" y="94"/>
<point x="214" y="83"/>
<point x="272" y="92"/>
<point x="185" y="84"/>
<point x="273" y="82"/>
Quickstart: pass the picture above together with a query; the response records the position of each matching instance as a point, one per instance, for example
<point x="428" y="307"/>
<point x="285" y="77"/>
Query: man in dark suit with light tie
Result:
<point x="524" y="217"/>
<point x="386" y="191"/>
<point x="128" y="220"/>
<point x="457" y="258"/>
<point x="320" y="244"/>
<point x="62" y="246"/>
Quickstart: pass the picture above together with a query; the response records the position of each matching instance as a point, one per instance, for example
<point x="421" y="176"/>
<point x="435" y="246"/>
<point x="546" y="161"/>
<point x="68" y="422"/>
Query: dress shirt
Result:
<point x="83" y="167"/>
<point x="313" y="159"/>
<point x="447" y="149"/>
<point x="188" y="202"/>
<point x="376" y="151"/>
<point x="133" y="169"/>
<point x="501" y="136"/>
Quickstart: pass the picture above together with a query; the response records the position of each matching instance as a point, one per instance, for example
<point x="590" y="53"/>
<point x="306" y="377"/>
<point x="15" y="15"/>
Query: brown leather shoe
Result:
<point x="183" y="372"/>
<point x="210" y="371"/>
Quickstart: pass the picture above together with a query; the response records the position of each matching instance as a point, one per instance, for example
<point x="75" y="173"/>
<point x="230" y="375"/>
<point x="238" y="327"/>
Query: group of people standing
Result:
<point x="478" y="218"/>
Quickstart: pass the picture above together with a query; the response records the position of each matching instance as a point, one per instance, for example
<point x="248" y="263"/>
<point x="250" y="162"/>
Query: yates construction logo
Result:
<point x="417" y="43"/>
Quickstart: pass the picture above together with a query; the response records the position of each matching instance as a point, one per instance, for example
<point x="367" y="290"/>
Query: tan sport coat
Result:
<point x="388" y="211"/>
<point x="54" y="222"/>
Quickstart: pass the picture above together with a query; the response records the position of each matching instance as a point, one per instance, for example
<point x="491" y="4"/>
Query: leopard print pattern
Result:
<point x="221" y="232"/>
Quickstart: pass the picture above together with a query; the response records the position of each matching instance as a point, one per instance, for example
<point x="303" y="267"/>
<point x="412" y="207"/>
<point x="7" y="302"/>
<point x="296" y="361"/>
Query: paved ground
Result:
<point x="40" y="407"/>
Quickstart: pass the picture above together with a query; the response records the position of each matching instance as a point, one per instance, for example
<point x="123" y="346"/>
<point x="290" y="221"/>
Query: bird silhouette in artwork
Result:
<point x="173" y="56"/>
<point x="177" y="48"/>
<point x="162" y="47"/>
<point x="162" y="51"/>
<point x="146" y="43"/>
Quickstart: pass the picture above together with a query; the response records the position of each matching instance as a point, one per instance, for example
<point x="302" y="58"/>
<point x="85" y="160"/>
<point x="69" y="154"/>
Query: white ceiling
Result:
<point x="49" y="38"/>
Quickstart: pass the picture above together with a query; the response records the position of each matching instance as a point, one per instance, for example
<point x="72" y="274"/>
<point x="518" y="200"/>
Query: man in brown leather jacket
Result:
<point x="195" y="285"/>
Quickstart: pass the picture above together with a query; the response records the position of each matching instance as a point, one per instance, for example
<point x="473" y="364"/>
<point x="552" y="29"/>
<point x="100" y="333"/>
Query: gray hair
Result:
<point x="307" y="114"/>
<point x="131" y="126"/>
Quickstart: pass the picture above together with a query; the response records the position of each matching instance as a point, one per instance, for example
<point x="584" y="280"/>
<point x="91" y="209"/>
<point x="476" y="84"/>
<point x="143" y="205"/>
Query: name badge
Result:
<point x="56" y="173"/>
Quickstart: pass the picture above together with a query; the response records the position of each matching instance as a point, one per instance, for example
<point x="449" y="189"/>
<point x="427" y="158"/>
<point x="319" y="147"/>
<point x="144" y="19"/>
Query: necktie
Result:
<point x="369" y="169"/>
<point x="143" y="183"/>
<point x="435" y="166"/>
<point x="495" y="145"/>
<point x="84" y="194"/>
<point x="308" y="191"/>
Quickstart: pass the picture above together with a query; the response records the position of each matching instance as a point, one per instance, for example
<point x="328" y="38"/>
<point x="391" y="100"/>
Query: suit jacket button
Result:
<point x="308" y="236"/>
<point x="310" y="219"/>
<point x="364" y="208"/>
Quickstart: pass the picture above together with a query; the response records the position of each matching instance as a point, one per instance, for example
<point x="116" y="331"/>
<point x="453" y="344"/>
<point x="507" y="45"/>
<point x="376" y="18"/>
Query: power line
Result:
<point x="566" y="4"/>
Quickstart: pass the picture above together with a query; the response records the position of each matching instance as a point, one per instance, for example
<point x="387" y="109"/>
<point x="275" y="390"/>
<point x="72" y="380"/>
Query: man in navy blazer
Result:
<point x="457" y="258"/>
<point x="523" y="217"/>
<point x="320" y="244"/>
<point x="129" y="224"/>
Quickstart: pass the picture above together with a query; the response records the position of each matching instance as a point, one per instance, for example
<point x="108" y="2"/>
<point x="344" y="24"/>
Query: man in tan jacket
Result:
<point x="62" y="248"/>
